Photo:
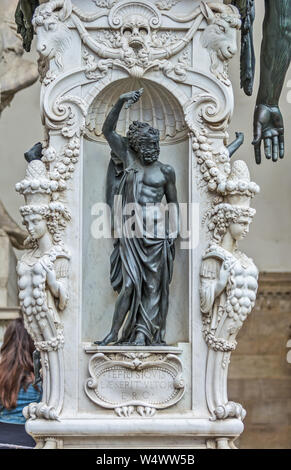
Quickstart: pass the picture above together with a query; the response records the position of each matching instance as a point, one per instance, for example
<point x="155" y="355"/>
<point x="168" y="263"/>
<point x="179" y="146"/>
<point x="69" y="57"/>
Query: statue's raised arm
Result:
<point x="118" y="143"/>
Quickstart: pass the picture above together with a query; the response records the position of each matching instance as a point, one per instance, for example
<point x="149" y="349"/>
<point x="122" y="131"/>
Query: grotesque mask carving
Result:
<point x="136" y="32"/>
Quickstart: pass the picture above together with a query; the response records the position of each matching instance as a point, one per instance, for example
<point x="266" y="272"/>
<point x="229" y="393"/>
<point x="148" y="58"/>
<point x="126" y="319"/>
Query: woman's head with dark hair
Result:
<point x="16" y="363"/>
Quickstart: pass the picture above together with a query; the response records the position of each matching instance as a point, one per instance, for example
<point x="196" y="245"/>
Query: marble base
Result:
<point x="150" y="433"/>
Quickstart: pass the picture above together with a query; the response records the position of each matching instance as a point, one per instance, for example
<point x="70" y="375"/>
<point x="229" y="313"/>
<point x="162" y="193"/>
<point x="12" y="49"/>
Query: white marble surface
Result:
<point x="176" y="432"/>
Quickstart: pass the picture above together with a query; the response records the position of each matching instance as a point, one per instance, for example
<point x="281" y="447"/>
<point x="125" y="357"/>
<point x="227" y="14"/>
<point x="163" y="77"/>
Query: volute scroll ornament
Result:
<point x="136" y="16"/>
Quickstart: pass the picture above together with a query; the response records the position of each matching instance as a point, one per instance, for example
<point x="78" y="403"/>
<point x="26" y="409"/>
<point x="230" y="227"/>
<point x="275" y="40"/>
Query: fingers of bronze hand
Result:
<point x="258" y="153"/>
<point x="129" y="103"/>
<point x="268" y="147"/>
<point x="137" y="94"/>
<point x="257" y="141"/>
<point x="268" y="126"/>
<point x="133" y="97"/>
<point x="275" y="150"/>
<point x="257" y="133"/>
<point x="281" y="145"/>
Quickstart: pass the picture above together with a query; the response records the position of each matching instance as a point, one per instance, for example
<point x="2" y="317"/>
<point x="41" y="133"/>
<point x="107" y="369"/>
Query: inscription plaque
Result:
<point x="142" y="381"/>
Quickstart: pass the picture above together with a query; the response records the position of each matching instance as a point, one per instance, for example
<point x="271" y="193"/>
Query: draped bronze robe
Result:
<point x="148" y="262"/>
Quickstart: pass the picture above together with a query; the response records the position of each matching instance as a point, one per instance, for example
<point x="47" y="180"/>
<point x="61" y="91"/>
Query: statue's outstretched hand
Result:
<point x="131" y="97"/>
<point x="269" y="127"/>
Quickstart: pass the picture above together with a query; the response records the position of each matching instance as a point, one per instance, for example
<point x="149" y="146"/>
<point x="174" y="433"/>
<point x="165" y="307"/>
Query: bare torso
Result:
<point x="152" y="179"/>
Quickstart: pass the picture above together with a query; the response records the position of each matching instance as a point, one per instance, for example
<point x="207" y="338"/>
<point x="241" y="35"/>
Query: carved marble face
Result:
<point x="52" y="37"/>
<point x="45" y="31"/>
<point x="240" y="228"/>
<point x="221" y="37"/>
<point x="136" y="32"/>
<point x="35" y="225"/>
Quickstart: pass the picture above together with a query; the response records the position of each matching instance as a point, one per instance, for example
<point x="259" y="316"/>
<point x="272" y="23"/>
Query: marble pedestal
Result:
<point x="129" y="397"/>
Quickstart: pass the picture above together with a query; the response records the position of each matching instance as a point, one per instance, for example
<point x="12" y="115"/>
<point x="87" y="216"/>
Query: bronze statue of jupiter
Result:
<point x="141" y="265"/>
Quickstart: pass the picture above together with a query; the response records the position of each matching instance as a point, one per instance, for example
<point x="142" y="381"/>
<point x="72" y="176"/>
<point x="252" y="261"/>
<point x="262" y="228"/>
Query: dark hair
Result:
<point x="138" y="129"/>
<point x="16" y="363"/>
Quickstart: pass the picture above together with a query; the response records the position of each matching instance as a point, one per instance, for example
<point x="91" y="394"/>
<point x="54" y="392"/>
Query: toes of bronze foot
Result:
<point x="106" y="341"/>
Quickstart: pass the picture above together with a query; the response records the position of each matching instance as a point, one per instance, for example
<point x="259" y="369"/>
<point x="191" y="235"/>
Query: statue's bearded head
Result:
<point x="145" y="140"/>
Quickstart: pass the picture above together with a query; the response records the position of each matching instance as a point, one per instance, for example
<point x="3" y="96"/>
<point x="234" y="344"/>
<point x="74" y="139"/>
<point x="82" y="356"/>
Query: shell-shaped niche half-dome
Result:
<point x="157" y="106"/>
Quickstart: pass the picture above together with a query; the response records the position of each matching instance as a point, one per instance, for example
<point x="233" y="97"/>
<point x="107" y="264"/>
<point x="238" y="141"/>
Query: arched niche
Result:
<point x="161" y="109"/>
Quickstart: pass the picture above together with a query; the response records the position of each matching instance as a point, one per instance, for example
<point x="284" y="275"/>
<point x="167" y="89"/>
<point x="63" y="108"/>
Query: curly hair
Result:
<point x="138" y="129"/>
<point x="56" y="216"/>
<point x="223" y="214"/>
